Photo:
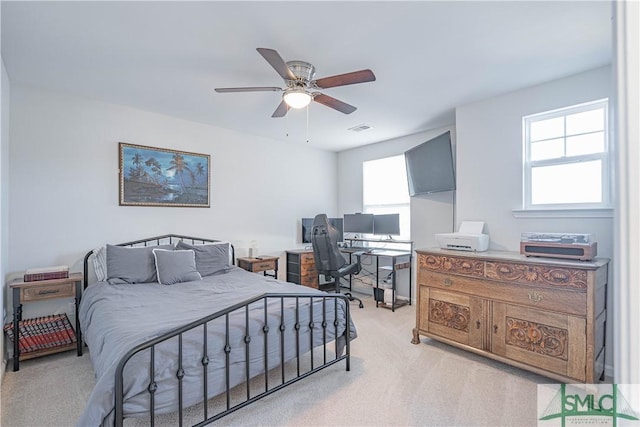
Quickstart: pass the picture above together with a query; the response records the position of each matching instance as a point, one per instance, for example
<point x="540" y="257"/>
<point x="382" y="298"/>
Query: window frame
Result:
<point x="373" y="207"/>
<point x="604" y="157"/>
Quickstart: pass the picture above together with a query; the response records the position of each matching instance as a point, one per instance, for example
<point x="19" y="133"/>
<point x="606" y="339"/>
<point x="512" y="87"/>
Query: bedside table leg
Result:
<point x="17" y="317"/>
<point x="78" y="330"/>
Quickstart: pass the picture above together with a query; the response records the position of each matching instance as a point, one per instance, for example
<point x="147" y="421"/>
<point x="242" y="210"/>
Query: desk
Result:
<point x="400" y="259"/>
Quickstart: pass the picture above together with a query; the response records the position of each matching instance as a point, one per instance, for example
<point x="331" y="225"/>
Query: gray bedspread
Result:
<point x="116" y="318"/>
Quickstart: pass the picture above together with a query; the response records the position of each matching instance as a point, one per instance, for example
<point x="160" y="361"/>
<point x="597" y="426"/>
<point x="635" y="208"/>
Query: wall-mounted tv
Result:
<point x="430" y="166"/>
<point x="307" y="226"/>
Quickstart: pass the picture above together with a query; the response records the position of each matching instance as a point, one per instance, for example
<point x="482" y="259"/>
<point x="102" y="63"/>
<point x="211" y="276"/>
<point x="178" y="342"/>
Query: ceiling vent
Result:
<point x="360" y="128"/>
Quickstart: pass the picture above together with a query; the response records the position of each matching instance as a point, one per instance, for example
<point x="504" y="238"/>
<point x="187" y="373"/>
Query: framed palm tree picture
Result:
<point x="161" y="177"/>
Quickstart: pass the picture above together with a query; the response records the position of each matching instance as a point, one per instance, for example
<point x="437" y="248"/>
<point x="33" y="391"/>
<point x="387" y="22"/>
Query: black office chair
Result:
<point x="329" y="259"/>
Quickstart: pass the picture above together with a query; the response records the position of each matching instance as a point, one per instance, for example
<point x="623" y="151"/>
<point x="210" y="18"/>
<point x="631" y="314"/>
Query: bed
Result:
<point x="159" y="346"/>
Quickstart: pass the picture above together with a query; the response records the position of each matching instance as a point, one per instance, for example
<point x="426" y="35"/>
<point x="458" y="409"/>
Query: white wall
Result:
<point x="4" y="189"/>
<point x="627" y="227"/>
<point x="430" y="214"/>
<point x="64" y="182"/>
<point x="489" y="159"/>
<point x="489" y="165"/>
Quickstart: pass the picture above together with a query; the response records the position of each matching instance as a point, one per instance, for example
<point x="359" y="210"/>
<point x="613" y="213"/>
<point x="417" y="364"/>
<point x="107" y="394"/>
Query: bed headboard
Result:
<point x="156" y="241"/>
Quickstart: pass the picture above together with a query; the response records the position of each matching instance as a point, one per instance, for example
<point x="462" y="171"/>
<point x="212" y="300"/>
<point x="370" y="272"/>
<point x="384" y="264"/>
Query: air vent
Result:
<point x="360" y="128"/>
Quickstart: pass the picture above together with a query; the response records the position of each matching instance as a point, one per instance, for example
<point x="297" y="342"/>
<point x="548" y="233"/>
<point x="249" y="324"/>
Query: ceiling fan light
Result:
<point x="297" y="98"/>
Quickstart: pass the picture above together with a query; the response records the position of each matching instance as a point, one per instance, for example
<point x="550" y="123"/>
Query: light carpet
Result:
<point x="391" y="383"/>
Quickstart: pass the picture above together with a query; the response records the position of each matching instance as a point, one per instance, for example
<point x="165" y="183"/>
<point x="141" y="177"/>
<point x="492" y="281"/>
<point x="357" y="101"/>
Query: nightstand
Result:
<point x="258" y="264"/>
<point x="24" y="292"/>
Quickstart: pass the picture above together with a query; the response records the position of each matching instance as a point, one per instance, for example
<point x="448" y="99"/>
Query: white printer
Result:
<point x="468" y="238"/>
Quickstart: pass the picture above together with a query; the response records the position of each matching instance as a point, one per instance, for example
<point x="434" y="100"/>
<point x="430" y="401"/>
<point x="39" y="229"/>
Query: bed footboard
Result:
<point x="254" y="338"/>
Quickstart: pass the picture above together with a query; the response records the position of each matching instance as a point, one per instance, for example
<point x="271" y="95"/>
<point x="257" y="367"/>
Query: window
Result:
<point x="385" y="190"/>
<point x="566" y="158"/>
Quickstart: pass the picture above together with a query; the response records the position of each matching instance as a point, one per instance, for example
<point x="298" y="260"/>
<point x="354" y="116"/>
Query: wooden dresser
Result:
<point x="301" y="268"/>
<point x="539" y="314"/>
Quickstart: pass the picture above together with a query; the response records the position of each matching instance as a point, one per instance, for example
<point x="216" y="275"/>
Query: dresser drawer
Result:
<point x="561" y="300"/>
<point x="42" y="292"/>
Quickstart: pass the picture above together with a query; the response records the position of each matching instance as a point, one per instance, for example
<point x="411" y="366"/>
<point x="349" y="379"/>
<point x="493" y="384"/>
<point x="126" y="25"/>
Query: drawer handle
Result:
<point x="535" y="296"/>
<point x="495" y="329"/>
<point x="448" y="282"/>
<point x="477" y="324"/>
<point x="48" y="292"/>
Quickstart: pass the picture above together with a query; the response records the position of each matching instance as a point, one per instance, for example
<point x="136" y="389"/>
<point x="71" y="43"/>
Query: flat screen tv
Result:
<point x="430" y="166"/>
<point x="358" y="223"/>
<point x="386" y="225"/>
<point x="307" y="225"/>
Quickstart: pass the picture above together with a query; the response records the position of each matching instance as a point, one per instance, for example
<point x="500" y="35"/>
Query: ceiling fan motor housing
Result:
<point x="302" y="70"/>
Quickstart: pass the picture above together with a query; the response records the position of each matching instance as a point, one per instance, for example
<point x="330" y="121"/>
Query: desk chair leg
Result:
<point x="347" y="294"/>
<point x="352" y="298"/>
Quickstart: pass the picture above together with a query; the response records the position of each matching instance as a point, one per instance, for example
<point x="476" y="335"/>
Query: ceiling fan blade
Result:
<point x="247" y="89"/>
<point x="336" y="104"/>
<point x="361" y="76"/>
<point x="282" y="110"/>
<point x="278" y="64"/>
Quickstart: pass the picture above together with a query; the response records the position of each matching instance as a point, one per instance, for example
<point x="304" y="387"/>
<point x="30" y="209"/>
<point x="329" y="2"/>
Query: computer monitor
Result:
<point x="386" y="225"/>
<point x="358" y="223"/>
<point x="307" y="226"/>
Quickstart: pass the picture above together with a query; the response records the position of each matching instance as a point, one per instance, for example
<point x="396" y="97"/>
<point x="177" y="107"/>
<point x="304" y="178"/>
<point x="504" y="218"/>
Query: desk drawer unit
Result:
<point x="301" y="268"/>
<point x="546" y="316"/>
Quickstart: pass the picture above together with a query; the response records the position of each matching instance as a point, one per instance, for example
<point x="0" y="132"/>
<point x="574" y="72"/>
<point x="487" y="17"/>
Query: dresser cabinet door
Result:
<point x="454" y="316"/>
<point x="551" y="341"/>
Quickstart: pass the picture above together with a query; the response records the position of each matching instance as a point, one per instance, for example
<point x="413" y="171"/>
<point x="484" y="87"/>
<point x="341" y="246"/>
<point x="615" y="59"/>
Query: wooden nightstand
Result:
<point x="24" y="292"/>
<point x="263" y="263"/>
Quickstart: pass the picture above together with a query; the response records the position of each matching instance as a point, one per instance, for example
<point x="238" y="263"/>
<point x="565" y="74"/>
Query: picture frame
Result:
<point x="151" y="176"/>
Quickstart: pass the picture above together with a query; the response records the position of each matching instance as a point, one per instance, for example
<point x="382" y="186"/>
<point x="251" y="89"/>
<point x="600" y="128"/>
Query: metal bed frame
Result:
<point x="166" y="238"/>
<point x="242" y="308"/>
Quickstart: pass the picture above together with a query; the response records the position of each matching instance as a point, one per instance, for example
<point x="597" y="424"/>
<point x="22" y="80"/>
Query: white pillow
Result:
<point x="175" y="266"/>
<point x="100" y="263"/>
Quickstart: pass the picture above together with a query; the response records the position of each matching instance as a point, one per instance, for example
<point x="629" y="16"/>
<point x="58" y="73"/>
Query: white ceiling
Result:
<point x="428" y="57"/>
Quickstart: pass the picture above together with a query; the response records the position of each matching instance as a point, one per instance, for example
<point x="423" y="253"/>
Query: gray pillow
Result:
<point x="175" y="266"/>
<point x="210" y="259"/>
<point x="132" y="265"/>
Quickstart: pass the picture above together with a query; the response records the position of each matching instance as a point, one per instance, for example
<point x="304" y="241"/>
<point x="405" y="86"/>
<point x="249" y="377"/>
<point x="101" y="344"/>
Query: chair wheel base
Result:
<point x="352" y="298"/>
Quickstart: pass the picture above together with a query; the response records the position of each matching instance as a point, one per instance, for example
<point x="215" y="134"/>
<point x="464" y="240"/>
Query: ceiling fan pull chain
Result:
<point x="307" y="124"/>
<point x="287" y="119"/>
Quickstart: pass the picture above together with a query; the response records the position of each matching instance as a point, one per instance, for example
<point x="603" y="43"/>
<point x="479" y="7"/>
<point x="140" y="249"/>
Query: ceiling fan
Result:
<point x="300" y="87"/>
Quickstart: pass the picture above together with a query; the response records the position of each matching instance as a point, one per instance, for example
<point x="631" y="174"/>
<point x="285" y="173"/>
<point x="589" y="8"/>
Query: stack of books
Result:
<point x="46" y="273"/>
<point x="43" y="333"/>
